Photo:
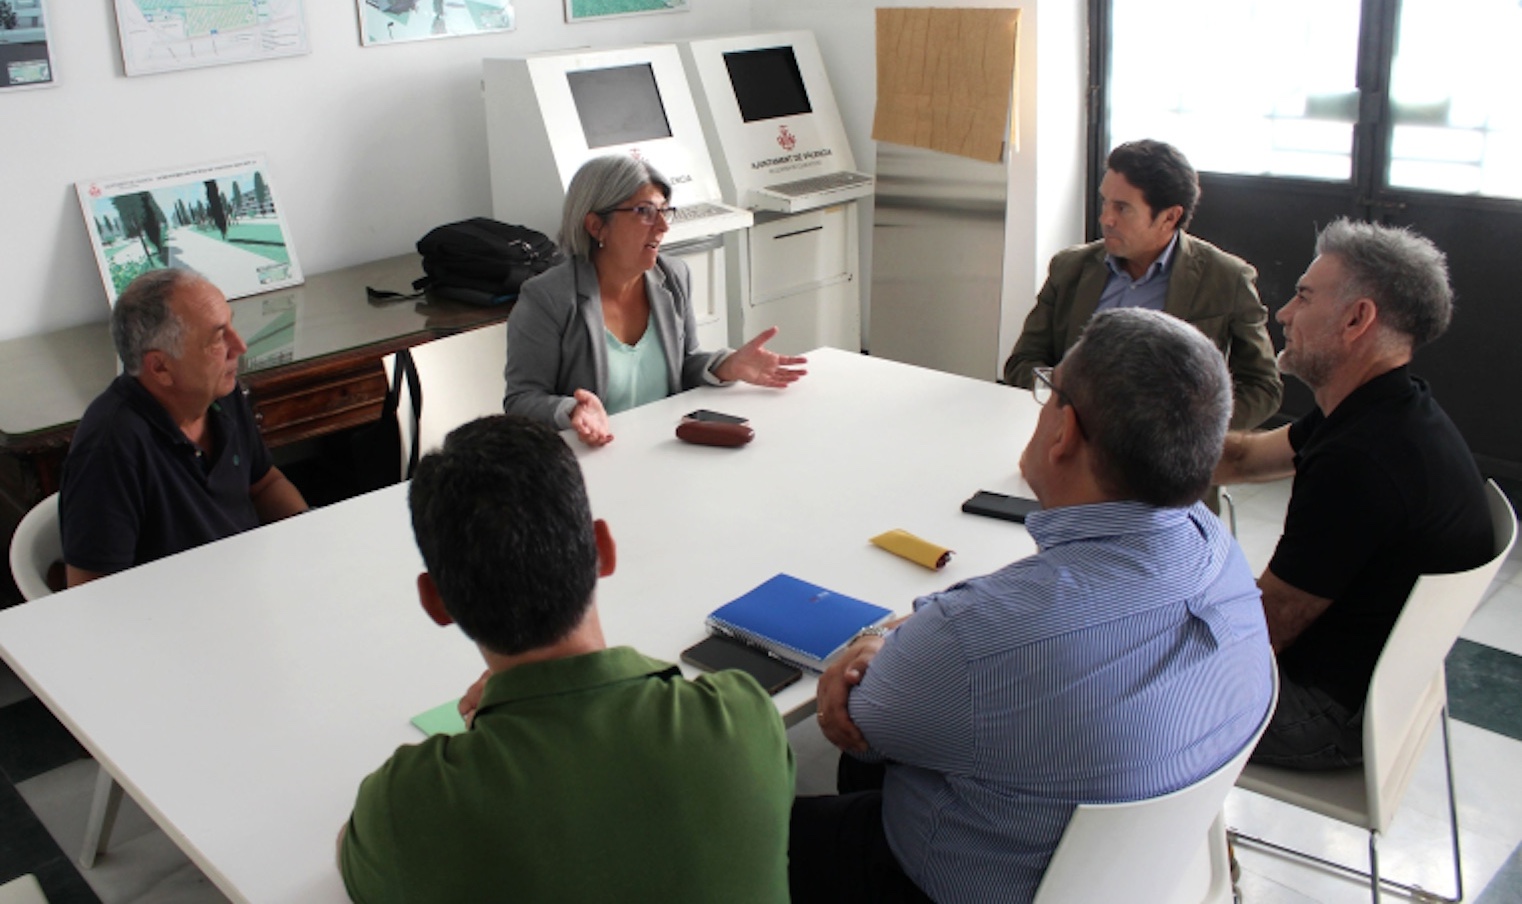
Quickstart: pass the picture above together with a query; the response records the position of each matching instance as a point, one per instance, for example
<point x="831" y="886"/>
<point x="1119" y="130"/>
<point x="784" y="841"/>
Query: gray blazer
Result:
<point x="555" y="342"/>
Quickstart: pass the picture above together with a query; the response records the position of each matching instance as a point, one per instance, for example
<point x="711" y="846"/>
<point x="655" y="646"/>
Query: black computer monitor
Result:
<point x="619" y="105"/>
<point x="767" y="83"/>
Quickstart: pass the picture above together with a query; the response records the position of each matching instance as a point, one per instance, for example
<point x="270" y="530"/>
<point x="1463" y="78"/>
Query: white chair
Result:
<point x="36" y="546"/>
<point x="1407" y="698"/>
<point x="1162" y="850"/>
<point x="22" y="890"/>
<point x="460" y="377"/>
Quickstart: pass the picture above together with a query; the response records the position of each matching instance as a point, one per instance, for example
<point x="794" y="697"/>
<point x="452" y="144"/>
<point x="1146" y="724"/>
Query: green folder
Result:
<point x="442" y="719"/>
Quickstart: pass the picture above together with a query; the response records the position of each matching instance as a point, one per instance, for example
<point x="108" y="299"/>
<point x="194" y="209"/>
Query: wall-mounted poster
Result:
<point x="581" y="10"/>
<point x="24" y="58"/>
<point x="385" y="21"/>
<point x="167" y="35"/>
<point x="221" y="220"/>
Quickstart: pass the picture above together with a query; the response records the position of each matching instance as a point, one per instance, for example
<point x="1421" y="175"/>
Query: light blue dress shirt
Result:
<point x="636" y="373"/>
<point x="1150" y="292"/>
<point x="1126" y="659"/>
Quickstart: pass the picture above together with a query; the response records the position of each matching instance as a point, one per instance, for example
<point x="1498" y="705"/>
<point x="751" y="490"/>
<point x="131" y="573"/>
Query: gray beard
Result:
<point x="1312" y="369"/>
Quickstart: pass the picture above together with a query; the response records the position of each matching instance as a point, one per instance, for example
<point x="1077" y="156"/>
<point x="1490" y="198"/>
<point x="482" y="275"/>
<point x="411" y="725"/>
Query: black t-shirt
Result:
<point x="1385" y="490"/>
<point x="134" y="488"/>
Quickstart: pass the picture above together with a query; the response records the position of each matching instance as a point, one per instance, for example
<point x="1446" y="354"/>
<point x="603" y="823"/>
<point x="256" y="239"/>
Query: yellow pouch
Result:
<point x="915" y="549"/>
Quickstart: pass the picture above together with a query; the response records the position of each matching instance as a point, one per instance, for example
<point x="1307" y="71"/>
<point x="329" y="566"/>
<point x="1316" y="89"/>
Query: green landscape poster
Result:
<point x="221" y="220"/>
<point x="581" y="10"/>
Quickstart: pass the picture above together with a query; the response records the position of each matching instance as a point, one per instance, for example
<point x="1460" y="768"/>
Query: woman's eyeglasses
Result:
<point x="646" y="212"/>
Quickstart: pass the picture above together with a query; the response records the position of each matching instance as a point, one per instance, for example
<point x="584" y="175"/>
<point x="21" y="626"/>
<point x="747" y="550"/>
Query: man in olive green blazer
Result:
<point x="1146" y="259"/>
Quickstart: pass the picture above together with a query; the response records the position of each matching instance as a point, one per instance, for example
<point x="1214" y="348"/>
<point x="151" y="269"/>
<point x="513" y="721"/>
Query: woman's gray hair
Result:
<point x="1404" y="273"/>
<point x="601" y="184"/>
<point x="142" y="320"/>
<point x="1153" y="398"/>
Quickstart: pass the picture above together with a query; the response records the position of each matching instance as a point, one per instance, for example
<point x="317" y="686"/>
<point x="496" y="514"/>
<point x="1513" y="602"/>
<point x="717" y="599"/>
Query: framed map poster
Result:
<point x="220" y="220"/>
<point x="24" y="58"/>
<point x="389" y="21"/>
<point x="168" y="35"/>
<point x="581" y="10"/>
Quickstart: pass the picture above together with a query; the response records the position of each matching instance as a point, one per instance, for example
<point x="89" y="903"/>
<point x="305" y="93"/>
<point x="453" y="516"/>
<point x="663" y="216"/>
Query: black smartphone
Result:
<point x="998" y="505"/>
<point x="718" y="653"/>
<point x="703" y="414"/>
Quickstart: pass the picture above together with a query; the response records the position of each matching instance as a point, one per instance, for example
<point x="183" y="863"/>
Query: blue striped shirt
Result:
<point x="1126" y="659"/>
<point x="1150" y="292"/>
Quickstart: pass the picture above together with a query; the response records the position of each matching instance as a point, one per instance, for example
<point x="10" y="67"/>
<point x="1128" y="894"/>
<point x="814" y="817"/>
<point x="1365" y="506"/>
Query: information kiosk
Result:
<point x="771" y="119"/>
<point x="547" y="114"/>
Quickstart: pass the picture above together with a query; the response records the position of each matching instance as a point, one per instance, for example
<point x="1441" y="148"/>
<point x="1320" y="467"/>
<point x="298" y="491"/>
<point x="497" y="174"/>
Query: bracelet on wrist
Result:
<point x="872" y="631"/>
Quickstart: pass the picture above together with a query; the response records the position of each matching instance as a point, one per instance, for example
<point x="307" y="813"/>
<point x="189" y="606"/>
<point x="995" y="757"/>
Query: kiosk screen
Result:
<point x="767" y="83"/>
<point x="619" y="105"/>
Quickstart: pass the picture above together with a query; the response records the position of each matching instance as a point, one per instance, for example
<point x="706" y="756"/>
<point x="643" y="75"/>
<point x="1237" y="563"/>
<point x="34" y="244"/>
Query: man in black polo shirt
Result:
<point x="169" y="456"/>
<point x="1385" y="488"/>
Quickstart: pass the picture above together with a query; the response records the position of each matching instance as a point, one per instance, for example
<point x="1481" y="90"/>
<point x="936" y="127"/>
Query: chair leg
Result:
<point x="103" y="808"/>
<point x="1375" y="880"/>
<point x="1453" y="812"/>
<point x="1374" y="865"/>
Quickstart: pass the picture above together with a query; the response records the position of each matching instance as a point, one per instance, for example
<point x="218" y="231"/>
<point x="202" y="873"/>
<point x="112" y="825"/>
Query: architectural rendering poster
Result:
<point x="581" y="10"/>
<point x="24" y="58"/>
<point x="221" y="220"/>
<point x="385" y="21"/>
<point x="166" y="35"/>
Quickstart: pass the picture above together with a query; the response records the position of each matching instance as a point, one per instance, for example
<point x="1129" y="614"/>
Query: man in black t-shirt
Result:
<point x="169" y="456"/>
<point x="1385" y="488"/>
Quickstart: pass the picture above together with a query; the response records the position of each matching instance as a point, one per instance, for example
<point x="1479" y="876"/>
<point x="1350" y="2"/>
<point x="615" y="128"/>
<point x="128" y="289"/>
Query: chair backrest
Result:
<point x="1139" y="851"/>
<point x="461" y="380"/>
<point x="1409" y="686"/>
<point x="22" y="890"/>
<point x="35" y="547"/>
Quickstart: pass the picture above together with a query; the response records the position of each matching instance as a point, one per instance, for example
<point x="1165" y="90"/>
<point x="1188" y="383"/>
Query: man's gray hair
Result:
<point x="1153" y="398"/>
<point x="1404" y="273"/>
<point x="601" y="184"/>
<point x="142" y="320"/>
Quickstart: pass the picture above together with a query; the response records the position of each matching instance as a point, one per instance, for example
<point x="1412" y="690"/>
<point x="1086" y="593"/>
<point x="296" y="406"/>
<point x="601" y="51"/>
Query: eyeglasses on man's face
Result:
<point x="646" y="212"/>
<point x="1043" y="389"/>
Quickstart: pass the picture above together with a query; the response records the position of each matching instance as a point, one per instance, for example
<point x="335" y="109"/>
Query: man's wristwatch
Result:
<point x="871" y="631"/>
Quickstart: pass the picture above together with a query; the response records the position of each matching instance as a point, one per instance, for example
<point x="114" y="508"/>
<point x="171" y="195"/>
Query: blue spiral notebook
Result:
<point x="795" y="621"/>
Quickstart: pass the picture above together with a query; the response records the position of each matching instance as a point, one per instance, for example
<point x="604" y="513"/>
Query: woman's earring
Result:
<point x="599" y="243"/>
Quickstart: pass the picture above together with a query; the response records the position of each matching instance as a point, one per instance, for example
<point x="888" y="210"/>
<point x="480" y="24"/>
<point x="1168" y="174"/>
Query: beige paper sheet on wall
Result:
<point x="946" y="79"/>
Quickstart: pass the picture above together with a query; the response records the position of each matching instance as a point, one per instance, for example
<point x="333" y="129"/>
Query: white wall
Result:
<point x="1046" y="173"/>
<point x="368" y="148"/>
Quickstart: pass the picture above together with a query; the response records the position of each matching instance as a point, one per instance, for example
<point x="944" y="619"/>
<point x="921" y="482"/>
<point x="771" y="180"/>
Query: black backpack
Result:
<point x="481" y="261"/>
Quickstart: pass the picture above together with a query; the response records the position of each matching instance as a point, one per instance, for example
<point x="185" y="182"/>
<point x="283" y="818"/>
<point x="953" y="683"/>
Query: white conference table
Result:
<point x="241" y="691"/>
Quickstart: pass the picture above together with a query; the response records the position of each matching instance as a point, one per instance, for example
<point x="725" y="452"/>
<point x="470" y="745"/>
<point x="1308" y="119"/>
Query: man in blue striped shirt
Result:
<point x="1126" y="659"/>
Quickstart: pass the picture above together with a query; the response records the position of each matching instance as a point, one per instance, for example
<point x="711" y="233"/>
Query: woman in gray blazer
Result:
<point x="612" y="327"/>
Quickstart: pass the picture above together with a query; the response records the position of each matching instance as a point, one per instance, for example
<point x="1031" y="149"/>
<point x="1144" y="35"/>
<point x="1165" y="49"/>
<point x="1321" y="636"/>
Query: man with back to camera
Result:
<point x="169" y="457"/>
<point x="1127" y="658"/>
<point x="588" y="773"/>
<point x="1385" y="489"/>
<point x="1147" y="260"/>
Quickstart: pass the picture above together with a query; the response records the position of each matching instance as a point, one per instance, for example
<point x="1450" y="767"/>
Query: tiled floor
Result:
<point x="45" y="783"/>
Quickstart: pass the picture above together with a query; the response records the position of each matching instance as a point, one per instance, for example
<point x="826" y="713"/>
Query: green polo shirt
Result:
<point x="600" y="777"/>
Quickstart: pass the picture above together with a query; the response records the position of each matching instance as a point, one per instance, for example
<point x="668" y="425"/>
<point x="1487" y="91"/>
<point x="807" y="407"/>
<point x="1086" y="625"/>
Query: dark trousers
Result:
<point x="838" y="852"/>
<point x="1310" y="731"/>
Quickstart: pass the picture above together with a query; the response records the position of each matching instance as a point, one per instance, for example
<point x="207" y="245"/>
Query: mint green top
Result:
<point x="636" y="373"/>
<point x="603" y="777"/>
